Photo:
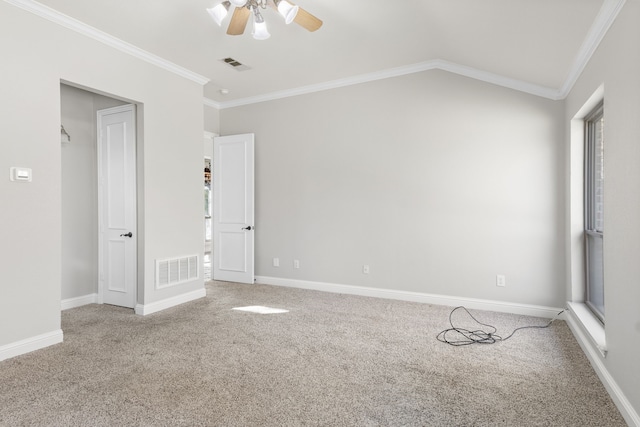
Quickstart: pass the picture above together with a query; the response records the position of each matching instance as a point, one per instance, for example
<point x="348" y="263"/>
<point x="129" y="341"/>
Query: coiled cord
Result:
<point x="467" y="337"/>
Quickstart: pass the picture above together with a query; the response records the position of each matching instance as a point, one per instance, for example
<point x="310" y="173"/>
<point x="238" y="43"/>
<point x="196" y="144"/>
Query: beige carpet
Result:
<point x="332" y="360"/>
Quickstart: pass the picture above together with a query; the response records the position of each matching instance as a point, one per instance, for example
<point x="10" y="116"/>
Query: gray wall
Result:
<point x="169" y="164"/>
<point x="616" y="64"/>
<point x="436" y="181"/>
<point x="211" y="119"/>
<point x="80" y="190"/>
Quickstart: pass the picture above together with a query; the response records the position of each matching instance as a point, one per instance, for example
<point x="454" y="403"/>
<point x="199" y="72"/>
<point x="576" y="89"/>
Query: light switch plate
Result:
<point x="20" y="174"/>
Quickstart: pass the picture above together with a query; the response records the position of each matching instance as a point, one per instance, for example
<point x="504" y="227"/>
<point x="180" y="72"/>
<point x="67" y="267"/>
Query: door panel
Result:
<point x="234" y="245"/>
<point x="116" y="266"/>
<point x="117" y="199"/>
<point x="233" y="207"/>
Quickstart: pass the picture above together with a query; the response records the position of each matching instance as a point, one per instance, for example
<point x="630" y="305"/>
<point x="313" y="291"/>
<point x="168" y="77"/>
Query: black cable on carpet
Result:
<point x="479" y="336"/>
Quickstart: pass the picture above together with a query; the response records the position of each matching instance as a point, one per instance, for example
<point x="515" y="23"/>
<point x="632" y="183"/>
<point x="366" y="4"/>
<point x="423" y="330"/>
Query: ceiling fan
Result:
<point x="244" y="8"/>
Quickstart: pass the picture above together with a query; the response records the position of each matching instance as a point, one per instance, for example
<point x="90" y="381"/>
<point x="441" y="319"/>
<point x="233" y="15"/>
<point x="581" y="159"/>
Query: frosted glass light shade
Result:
<point x="238" y="3"/>
<point x="288" y="11"/>
<point x="259" y="26"/>
<point x="260" y="31"/>
<point x="219" y="12"/>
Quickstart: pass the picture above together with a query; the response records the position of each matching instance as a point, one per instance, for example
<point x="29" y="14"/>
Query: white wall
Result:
<point x="616" y="65"/>
<point x="80" y="191"/>
<point x="436" y="181"/>
<point x="211" y="119"/>
<point x="36" y="56"/>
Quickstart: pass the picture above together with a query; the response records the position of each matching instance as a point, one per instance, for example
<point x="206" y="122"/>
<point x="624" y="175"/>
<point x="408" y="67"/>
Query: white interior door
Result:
<point x="117" y="206"/>
<point x="233" y="208"/>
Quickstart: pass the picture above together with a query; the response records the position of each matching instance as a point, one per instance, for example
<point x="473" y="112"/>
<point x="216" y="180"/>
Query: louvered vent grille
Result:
<point x="236" y="65"/>
<point x="174" y="271"/>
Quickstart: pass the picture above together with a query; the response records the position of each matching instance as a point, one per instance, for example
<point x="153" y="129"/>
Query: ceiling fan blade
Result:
<point x="238" y="21"/>
<point x="307" y="20"/>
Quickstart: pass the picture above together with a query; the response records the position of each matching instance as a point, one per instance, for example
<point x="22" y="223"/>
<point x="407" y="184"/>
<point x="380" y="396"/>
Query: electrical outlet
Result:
<point x="365" y="269"/>
<point x="501" y="280"/>
<point x="276" y="262"/>
<point x="296" y="263"/>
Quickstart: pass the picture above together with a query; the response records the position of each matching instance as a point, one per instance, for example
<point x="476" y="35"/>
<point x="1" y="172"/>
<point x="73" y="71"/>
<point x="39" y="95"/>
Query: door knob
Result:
<point x="248" y="228"/>
<point x="129" y="234"/>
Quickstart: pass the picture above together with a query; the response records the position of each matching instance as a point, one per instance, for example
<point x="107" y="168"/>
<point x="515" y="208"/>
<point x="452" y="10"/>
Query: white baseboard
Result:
<point x="594" y="355"/>
<point x="625" y="408"/>
<point x="154" y="307"/>
<point x="66" y="304"/>
<point x="478" y="304"/>
<point x="30" y="344"/>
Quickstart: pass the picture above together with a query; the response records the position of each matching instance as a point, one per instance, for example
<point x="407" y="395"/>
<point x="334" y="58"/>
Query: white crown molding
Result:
<point x="436" y="64"/>
<point x="603" y="21"/>
<point x="478" y="304"/>
<point x="211" y="103"/>
<point x="154" y="307"/>
<point x="499" y="80"/>
<point x="605" y="18"/>
<point x="30" y="344"/>
<point x="333" y="84"/>
<point x="82" y="28"/>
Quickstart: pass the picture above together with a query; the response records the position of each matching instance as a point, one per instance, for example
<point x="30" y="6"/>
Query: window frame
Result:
<point x="590" y="221"/>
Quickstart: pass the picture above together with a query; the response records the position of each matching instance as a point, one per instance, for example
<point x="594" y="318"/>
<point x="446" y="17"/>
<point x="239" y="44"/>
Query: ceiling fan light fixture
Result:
<point x="219" y="12"/>
<point x="287" y="10"/>
<point x="259" y="26"/>
<point x="243" y="9"/>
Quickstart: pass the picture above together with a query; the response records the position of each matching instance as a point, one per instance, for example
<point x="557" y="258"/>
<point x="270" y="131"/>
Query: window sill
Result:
<point x="590" y="324"/>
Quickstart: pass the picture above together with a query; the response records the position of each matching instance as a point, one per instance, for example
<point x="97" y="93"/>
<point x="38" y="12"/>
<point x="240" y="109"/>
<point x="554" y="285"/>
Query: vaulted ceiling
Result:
<point x="530" y="43"/>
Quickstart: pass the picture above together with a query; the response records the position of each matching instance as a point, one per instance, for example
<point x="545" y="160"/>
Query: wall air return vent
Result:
<point x="174" y="271"/>
<point x="236" y="65"/>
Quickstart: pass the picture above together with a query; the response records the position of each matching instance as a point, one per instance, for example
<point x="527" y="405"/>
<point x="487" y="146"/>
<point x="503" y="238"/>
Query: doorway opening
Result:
<point x="80" y="262"/>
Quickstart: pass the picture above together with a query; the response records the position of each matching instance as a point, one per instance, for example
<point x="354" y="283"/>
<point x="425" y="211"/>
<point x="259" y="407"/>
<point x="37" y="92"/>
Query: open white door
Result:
<point x="117" y="206"/>
<point x="233" y="205"/>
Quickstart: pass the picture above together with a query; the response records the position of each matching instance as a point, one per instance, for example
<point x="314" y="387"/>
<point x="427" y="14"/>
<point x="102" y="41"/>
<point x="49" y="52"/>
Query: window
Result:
<point x="594" y="210"/>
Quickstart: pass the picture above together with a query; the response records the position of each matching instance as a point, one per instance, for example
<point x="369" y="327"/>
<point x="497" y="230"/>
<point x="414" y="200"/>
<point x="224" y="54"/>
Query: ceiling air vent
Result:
<point x="236" y="65"/>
